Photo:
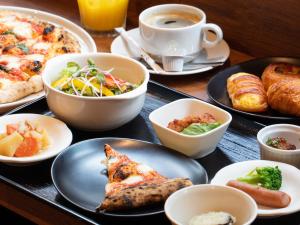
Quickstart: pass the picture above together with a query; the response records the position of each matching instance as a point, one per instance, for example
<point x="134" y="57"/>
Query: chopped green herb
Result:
<point x="23" y="47"/>
<point x="8" y="32"/>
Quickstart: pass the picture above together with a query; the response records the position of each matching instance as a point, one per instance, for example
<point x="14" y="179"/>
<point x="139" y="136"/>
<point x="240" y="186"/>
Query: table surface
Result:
<point x="194" y="85"/>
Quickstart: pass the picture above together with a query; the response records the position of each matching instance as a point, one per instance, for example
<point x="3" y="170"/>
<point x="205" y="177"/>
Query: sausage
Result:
<point x="263" y="196"/>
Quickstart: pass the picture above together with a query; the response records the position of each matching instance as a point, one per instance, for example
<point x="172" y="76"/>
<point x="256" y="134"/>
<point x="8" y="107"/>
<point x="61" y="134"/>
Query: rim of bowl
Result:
<point x="228" y="121"/>
<point x="132" y="94"/>
<point x="276" y="150"/>
<point x="203" y="186"/>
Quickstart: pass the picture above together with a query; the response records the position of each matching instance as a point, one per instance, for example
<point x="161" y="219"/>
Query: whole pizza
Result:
<point x="26" y="43"/>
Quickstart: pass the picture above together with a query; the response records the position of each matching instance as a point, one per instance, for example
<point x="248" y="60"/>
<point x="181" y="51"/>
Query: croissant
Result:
<point x="247" y="93"/>
<point x="284" y="96"/>
<point x="278" y="71"/>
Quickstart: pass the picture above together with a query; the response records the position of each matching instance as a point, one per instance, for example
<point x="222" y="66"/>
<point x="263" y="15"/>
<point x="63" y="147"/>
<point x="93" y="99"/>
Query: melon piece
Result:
<point x="10" y="143"/>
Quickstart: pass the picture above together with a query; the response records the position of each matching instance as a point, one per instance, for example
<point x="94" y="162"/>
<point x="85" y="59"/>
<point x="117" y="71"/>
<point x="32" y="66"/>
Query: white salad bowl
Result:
<point x="191" y="201"/>
<point x="97" y="113"/>
<point x="196" y="146"/>
<point x="288" y="131"/>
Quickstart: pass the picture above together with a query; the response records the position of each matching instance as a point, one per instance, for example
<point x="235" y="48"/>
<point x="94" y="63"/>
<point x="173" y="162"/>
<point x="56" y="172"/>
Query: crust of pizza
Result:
<point x="142" y="195"/>
<point x="17" y="90"/>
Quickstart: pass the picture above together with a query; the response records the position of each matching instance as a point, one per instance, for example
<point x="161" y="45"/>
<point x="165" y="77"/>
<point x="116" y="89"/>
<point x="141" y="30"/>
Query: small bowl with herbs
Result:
<point x="280" y="142"/>
<point x="190" y="126"/>
<point x="95" y="91"/>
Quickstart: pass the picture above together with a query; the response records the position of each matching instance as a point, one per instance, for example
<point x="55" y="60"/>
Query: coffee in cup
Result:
<point x="175" y="31"/>
<point x="172" y="19"/>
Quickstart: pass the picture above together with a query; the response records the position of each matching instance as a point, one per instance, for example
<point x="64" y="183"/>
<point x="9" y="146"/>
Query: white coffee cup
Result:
<point x="181" y="43"/>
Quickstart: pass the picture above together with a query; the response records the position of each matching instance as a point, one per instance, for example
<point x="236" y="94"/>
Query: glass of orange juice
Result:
<point x="102" y="16"/>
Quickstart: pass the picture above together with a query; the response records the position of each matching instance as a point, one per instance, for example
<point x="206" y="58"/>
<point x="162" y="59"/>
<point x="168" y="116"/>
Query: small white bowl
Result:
<point x="59" y="134"/>
<point x="288" y="131"/>
<point x="188" y="202"/>
<point x="193" y="146"/>
<point x="97" y="113"/>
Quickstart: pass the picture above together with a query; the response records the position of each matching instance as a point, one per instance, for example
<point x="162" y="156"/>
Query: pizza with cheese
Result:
<point x="26" y="43"/>
<point x="132" y="185"/>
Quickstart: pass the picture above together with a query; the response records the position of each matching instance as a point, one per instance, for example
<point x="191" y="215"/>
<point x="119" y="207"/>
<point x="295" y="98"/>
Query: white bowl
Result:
<point x="288" y="131"/>
<point x="193" y="146"/>
<point x="59" y="134"/>
<point x="188" y="202"/>
<point x="97" y="113"/>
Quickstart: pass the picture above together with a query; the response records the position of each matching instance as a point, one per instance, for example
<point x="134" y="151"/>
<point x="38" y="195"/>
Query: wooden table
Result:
<point x="194" y="85"/>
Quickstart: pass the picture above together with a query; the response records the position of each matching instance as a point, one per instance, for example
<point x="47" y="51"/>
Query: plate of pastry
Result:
<point x="264" y="88"/>
<point x="121" y="177"/>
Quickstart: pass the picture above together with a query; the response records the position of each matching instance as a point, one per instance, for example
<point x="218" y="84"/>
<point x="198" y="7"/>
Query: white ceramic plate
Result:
<point x="59" y="134"/>
<point x="290" y="183"/>
<point x="218" y="53"/>
<point x="85" y="40"/>
<point x="9" y="106"/>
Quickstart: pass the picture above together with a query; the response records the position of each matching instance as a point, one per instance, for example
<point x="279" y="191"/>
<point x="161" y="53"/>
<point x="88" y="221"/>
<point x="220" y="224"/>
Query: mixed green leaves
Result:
<point x="90" y="80"/>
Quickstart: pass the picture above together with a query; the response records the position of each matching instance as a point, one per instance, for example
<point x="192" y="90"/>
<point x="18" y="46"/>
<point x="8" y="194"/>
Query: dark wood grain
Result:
<point x="257" y="28"/>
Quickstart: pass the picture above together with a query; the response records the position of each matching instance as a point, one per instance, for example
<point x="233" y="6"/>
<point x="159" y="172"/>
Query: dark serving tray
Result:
<point x="238" y="144"/>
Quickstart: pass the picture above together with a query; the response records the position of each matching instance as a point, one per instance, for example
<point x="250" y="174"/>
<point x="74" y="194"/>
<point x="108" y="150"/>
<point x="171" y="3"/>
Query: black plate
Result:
<point x="80" y="177"/>
<point x="217" y="90"/>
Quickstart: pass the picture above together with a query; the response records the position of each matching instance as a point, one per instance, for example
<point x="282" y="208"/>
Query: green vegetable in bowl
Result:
<point x="90" y="80"/>
<point x="199" y="128"/>
<point x="267" y="177"/>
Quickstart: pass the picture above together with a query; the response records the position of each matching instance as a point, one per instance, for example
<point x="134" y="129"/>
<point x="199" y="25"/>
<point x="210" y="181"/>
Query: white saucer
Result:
<point x="59" y="134"/>
<point x="218" y="53"/>
<point x="290" y="183"/>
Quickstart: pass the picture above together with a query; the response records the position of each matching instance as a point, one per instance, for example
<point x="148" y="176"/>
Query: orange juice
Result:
<point x="102" y="15"/>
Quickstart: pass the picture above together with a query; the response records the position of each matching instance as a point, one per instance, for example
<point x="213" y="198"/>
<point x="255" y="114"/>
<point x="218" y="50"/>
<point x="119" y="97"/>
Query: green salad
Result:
<point x="90" y="80"/>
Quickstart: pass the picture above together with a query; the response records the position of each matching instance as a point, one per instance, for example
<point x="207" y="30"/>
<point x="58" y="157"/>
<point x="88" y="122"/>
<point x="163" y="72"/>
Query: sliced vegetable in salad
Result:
<point x="91" y="80"/>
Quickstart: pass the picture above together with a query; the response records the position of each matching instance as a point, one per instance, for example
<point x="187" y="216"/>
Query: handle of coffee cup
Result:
<point x="216" y="29"/>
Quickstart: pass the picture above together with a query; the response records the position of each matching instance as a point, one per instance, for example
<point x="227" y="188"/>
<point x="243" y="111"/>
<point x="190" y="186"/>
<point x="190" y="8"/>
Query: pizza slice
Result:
<point x="26" y="43"/>
<point x="132" y="185"/>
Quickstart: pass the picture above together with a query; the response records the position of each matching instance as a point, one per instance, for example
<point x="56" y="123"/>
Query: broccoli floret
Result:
<point x="267" y="177"/>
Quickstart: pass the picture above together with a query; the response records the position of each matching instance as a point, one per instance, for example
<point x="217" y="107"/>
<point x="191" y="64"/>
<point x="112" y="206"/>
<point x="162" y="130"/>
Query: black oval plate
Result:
<point x="217" y="90"/>
<point x="79" y="176"/>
